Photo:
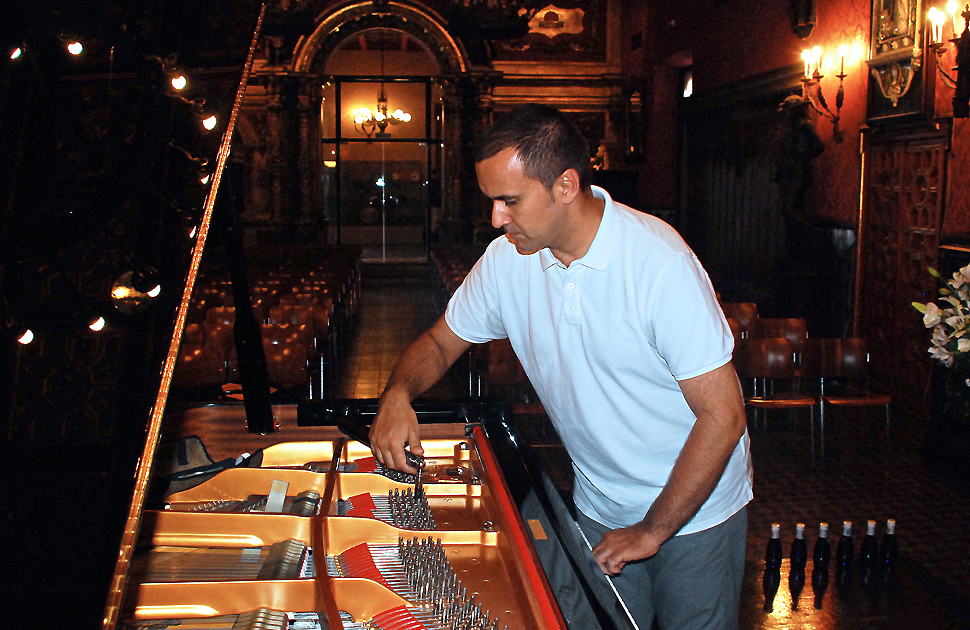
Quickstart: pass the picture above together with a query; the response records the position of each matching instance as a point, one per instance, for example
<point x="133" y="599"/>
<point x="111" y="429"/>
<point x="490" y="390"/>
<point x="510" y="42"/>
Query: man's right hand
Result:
<point x="395" y="427"/>
<point x="420" y="367"/>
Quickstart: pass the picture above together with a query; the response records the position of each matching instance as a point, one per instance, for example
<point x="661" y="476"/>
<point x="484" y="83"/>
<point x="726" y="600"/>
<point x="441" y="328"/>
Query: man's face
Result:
<point x="521" y="206"/>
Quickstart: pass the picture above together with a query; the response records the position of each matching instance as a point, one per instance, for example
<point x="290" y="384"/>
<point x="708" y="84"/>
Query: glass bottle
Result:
<point x="820" y="564"/>
<point x="772" y="576"/>
<point x="797" y="559"/>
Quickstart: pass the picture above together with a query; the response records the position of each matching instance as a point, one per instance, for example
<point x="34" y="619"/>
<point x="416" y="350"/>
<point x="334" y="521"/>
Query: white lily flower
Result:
<point x="941" y="355"/>
<point x="962" y="276"/>
<point x="932" y="316"/>
<point x="963" y="345"/>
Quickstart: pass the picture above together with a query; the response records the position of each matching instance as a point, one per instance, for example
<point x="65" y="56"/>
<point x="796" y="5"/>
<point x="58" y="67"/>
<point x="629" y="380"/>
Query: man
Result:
<point x="617" y="326"/>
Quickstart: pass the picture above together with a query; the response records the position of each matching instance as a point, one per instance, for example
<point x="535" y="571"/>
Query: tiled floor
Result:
<point x="861" y="480"/>
<point x="393" y="313"/>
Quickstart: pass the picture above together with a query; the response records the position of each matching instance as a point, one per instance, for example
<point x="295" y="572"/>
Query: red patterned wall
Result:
<point x="742" y="39"/>
<point x="956" y="222"/>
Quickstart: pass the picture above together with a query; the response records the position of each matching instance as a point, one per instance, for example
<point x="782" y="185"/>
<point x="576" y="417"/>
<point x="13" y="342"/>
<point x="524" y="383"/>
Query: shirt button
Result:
<point x="570" y="285"/>
<point x="571" y="309"/>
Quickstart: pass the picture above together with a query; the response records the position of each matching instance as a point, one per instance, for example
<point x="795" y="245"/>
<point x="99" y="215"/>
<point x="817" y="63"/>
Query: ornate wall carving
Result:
<point x="902" y="219"/>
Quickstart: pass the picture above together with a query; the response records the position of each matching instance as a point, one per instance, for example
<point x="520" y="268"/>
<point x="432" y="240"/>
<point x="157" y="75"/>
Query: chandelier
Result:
<point x="373" y="123"/>
<point x="368" y="122"/>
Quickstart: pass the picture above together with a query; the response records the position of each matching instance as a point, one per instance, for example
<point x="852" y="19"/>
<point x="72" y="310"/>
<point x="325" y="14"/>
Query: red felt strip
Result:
<point x="366" y="464"/>
<point x="363" y="505"/>
<point x="357" y="562"/>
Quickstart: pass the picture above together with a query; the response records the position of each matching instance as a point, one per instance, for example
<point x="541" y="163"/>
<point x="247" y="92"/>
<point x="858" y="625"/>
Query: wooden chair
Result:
<point x="744" y="312"/>
<point x="793" y="329"/>
<point x="841" y="367"/>
<point x="769" y="365"/>
<point x="506" y="378"/>
<point x="199" y="365"/>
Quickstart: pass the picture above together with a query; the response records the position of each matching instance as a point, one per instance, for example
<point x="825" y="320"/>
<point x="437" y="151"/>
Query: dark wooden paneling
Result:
<point x="901" y="238"/>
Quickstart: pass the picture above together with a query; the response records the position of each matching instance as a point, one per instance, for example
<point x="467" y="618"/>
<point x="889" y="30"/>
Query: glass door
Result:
<point x="378" y="168"/>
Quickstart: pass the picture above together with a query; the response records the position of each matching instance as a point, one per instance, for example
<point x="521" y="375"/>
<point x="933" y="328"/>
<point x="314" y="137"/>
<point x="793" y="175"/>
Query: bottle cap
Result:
<point x="823" y="530"/>
<point x="871" y="528"/>
<point x="775" y="530"/>
<point x="800" y="530"/>
<point x="891" y="526"/>
<point x="846" y="528"/>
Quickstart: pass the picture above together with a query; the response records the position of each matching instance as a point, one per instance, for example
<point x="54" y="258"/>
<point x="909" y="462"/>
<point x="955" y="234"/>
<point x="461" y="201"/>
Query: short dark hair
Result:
<point x="545" y="140"/>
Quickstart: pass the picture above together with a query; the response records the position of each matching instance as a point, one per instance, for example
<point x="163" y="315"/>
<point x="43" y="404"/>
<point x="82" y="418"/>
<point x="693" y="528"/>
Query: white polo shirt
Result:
<point x="604" y="342"/>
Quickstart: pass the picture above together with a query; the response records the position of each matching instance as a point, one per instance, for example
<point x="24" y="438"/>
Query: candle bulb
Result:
<point x="807" y="60"/>
<point x="817" y="58"/>
<point x="842" y="52"/>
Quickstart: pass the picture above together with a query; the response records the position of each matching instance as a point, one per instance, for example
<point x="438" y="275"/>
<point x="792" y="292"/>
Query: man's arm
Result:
<point x="423" y="363"/>
<point x="716" y="400"/>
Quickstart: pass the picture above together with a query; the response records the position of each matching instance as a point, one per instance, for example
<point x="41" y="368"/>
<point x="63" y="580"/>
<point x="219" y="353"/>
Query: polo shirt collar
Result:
<point x="598" y="254"/>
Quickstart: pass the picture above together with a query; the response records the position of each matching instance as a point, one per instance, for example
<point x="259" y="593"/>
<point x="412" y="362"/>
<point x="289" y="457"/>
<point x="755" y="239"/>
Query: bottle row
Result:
<point x="876" y="560"/>
<point x="871" y="554"/>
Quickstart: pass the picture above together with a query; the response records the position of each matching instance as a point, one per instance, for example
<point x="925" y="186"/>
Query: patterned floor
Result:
<point x="861" y="480"/>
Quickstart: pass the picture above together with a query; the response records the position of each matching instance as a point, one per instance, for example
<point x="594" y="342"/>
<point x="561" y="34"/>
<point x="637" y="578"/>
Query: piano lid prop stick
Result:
<point x="626" y="610"/>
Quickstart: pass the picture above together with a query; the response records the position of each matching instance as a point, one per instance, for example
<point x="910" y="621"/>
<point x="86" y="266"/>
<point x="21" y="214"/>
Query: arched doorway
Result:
<point x="382" y="144"/>
<point x="383" y="182"/>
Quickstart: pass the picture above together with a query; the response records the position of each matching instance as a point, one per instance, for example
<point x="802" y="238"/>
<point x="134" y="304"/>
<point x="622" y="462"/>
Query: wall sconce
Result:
<point x="18" y="329"/>
<point x="812" y="87"/>
<point x="201" y="111"/>
<point x="71" y="43"/>
<point x="961" y="85"/>
<point x="199" y="164"/>
<point x="132" y="292"/>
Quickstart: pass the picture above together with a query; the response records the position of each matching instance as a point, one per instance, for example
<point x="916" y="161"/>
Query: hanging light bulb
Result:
<point x="133" y="291"/>
<point x="179" y="82"/>
<point x="26" y="337"/>
<point x="97" y="325"/>
<point x="75" y="48"/>
<point x="209" y="122"/>
<point x="17" y="52"/>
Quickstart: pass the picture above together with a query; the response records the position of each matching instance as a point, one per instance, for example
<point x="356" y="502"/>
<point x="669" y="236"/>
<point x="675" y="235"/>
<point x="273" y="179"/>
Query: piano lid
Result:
<point x="143" y="474"/>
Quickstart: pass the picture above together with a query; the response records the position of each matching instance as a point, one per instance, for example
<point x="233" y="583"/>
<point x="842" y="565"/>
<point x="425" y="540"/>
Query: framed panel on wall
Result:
<point x="895" y="60"/>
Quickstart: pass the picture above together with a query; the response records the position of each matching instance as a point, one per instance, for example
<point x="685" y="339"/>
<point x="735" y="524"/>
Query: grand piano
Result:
<point x="250" y="514"/>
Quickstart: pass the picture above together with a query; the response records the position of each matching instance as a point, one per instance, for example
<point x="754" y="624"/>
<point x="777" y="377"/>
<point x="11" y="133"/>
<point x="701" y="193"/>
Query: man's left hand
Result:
<point x="627" y="544"/>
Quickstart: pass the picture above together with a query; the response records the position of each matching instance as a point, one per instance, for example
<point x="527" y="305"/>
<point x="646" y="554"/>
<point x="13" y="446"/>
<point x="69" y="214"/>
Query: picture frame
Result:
<point x="895" y="58"/>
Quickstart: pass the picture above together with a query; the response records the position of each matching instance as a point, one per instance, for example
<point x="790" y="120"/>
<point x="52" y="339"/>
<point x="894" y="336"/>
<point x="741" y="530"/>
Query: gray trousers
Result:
<point x="692" y="583"/>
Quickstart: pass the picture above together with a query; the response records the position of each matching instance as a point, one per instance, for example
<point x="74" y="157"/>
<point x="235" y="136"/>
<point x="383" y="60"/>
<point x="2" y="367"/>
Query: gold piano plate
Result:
<point x="195" y="563"/>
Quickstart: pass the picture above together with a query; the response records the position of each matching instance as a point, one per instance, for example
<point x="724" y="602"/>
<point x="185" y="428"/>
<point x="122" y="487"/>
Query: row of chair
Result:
<point x="826" y="372"/>
<point x="493" y="368"/>
<point x="306" y="319"/>
<point x="781" y="366"/>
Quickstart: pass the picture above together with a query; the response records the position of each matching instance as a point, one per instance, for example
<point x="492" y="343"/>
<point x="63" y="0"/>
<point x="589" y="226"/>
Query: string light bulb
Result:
<point x="179" y="82"/>
<point x="209" y="122"/>
<point x="17" y="52"/>
<point x="26" y="337"/>
<point x="98" y="324"/>
<point x="75" y="48"/>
